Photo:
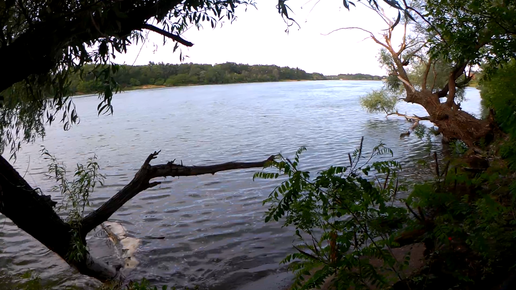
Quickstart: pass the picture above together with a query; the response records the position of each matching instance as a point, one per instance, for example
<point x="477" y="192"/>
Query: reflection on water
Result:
<point x="213" y="228"/>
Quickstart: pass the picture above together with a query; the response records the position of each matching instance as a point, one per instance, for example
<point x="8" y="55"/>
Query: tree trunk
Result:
<point x="454" y="123"/>
<point x="33" y="212"/>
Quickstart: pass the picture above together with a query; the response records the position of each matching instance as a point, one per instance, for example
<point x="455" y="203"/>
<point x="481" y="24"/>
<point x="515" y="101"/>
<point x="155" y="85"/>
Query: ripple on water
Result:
<point x="213" y="229"/>
<point x="155" y="196"/>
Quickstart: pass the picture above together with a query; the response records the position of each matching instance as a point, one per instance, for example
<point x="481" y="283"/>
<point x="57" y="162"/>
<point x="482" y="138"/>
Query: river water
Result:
<point x="212" y="226"/>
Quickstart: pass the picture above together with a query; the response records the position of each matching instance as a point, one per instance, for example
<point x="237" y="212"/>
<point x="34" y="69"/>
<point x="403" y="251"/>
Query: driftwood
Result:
<point x="34" y="213"/>
<point x="142" y="181"/>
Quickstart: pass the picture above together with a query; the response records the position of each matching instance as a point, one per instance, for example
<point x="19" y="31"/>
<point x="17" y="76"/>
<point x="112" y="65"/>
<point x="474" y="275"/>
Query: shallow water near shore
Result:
<point x="211" y="228"/>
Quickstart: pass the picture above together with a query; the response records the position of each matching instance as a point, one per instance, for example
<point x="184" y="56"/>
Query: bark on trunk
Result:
<point x="33" y="212"/>
<point x="452" y="122"/>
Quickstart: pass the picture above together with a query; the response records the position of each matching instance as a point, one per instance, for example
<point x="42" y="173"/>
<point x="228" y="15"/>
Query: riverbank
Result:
<point x="159" y="75"/>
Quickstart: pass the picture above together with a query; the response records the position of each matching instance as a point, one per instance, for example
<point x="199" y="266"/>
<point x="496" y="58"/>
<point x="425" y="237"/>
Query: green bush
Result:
<point x="343" y="218"/>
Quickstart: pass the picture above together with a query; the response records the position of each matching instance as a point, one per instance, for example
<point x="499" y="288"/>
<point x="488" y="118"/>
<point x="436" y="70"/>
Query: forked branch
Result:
<point x="413" y="119"/>
<point x="455" y="74"/>
<point x="142" y="181"/>
<point x="359" y="28"/>
<point x="409" y="118"/>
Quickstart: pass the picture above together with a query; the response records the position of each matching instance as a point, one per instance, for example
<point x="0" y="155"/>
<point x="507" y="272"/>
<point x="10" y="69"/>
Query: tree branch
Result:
<point x="429" y="23"/>
<point x="427" y="71"/>
<point x="451" y="90"/>
<point x="409" y="118"/>
<point x="34" y="52"/>
<point x="403" y="45"/>
<point x="365" y="30"/>
<point x="456" y="73"/>
<point x="407" y="83"/>
<point x="435" y="78"/>
<point x="167" y="34"/>
<point x="141" y="182"/>
<point x="414" y="119"/>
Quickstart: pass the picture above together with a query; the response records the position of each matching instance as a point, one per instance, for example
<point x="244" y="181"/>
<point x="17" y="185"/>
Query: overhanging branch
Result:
<point x="413" y="119"/>
<point x="359" y="28"/>
<point x="167" y="34"/>
<point x="33" y="52"/>
<point x="409" y="118"/>
<point x="142" y="181"/>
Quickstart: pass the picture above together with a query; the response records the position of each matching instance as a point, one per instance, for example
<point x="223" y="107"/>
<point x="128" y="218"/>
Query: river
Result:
<point x="213" y="227"/>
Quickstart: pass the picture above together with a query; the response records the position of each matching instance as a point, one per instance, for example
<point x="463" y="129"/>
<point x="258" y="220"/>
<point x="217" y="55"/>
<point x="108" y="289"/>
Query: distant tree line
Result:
<point x="160" y="74"/>
<point x="355" y="77"/>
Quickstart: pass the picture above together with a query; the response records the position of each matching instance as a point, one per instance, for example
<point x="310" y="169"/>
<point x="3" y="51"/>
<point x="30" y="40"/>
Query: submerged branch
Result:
<point x="408" y="118"/>
<point x="414" y="119"/>
<point x="142" y="181"/>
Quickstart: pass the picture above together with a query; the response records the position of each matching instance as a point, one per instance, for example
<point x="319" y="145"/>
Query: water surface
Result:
<point x="213" y="227"/>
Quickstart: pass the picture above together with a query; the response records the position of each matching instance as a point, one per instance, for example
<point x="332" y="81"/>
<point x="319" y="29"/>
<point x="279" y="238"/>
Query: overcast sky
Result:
<point x="258" y="37"/>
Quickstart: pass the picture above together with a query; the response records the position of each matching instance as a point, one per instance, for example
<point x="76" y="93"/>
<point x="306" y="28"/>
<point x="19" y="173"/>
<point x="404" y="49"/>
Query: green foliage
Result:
<point x="474" y="31"/>
<point x="379" y="101"/>
<point x="343" y="219"/>
<point x="31" y="282"/>
<point x="498" y="91"/>
<point x="75" y="195"/>
<point x="417" y="61"/>
<point x="143" y="284"/>
<point x="458" y="148"/>
<point x="438" y="75"/>
<point x="469" y="220"/>
<point x="25" y="109"/>
<point x="62" y="37"/>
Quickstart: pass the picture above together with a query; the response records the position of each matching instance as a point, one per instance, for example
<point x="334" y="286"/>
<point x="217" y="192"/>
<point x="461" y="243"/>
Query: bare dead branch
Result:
<point x="141" y="182"/>
<point x="404" y="41"/>
<point x="172" y="36"/>
<point x="358" y="28"/>
<point x="426" y="118"/>
<point x="385" y="18"/>
<point x="414" y="53"/>
<point x="408" y="118"/>
<point x="415" y="119"/>
<point x="382" y="15"/>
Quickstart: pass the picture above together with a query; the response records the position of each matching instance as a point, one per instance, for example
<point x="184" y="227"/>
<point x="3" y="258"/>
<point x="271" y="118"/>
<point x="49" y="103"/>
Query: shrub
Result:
<point x="343" y="218"/>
